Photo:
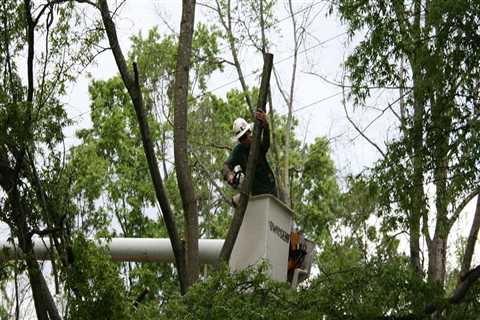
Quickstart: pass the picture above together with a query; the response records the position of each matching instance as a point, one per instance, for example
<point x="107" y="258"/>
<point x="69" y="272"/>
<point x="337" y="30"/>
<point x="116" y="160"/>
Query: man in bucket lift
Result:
<point x="264" y="179"/>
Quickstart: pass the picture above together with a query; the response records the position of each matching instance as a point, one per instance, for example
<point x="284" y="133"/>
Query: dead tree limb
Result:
<point x="466" y="282"/>
<point x="251" y="164"/>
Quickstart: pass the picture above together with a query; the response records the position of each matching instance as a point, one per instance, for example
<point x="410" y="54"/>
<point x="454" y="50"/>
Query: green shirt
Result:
<point x="264" y="179"/>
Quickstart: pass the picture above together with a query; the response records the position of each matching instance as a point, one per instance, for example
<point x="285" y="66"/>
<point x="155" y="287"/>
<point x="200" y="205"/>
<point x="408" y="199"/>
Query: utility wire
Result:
<point x="80" y="115"/>
<point x="315" y="103"/>
<point x="276" y="63"/>
<point x="297" y="12"/>
<point x="256" y="72"/>
<point x="273" y="24"/>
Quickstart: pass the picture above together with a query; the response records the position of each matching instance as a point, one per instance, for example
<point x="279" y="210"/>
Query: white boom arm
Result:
<point x="125" y="249"/>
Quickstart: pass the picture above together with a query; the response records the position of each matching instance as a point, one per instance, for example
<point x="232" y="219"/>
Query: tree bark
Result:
<point x="252" y="160"/>
<point x="184" y="176"/>
<point x="137" y="100"/>
<point x="417" y="192"/>
<point x="437" y="259"/>
<point x="441" y="124"/>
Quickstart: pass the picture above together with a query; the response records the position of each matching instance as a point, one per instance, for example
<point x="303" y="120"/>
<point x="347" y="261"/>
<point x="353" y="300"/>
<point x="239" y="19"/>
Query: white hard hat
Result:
<point x="240" y="127"/>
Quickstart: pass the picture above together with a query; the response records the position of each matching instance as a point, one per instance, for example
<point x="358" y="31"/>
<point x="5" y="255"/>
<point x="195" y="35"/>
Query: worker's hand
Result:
<point x="261" y="116"/>
<point x="230" y="178"/>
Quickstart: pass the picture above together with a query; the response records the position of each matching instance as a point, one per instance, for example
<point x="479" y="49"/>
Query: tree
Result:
<point x="31" y="122"/>
<point x="316" y="196"/>
<point x="244" y="27"/>
<point x="436" y="44"/>
<point x="109" y="166"/>
<point x="299" y="37"/>
<point x="132" y="84"/>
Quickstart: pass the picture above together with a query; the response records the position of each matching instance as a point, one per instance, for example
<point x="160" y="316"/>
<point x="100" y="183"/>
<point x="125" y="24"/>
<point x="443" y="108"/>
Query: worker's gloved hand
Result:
<point x="261" y="116"/>
<point x="231" y="178"/>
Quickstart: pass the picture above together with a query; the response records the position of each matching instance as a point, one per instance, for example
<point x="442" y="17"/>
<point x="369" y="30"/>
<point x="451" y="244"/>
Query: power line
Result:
<point x="276" y="63"/>
<point x="299" y="11"/>
<point x="315" y="46"/>
<point x="315" y="102"/>
<point x="80" y="115"/>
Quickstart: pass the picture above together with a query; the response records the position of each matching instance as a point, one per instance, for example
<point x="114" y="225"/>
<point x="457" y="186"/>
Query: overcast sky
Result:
<point x="319" y="106"/>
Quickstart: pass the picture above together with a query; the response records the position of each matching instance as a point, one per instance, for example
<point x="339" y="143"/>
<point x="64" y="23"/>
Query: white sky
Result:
<point x="350" y="152"/>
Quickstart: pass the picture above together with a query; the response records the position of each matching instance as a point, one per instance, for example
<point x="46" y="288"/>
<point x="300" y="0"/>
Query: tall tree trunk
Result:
<point x="184" y="176"/>
<point x="133" y="88"/>
<point x="44" y="304"/>
<point x="288" y="131"/>
<point x="437" y="260"/>
<point x="283" y="193"/>
<point x="419" y="208"/>
<point x="417" y="192"/>
<point x="440" y="133"/>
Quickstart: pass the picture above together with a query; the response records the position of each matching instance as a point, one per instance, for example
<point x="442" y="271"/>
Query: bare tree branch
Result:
<point x="227" y="25"/>
<point x="357" y="128"/>
<point x="462" y="205"/>
<point x="471" y="241"/>
<point x="252" y="160"/>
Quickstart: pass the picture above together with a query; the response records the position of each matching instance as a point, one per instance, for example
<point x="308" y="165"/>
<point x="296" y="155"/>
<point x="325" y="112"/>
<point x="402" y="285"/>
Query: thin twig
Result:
<point x="357" y="128"/>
